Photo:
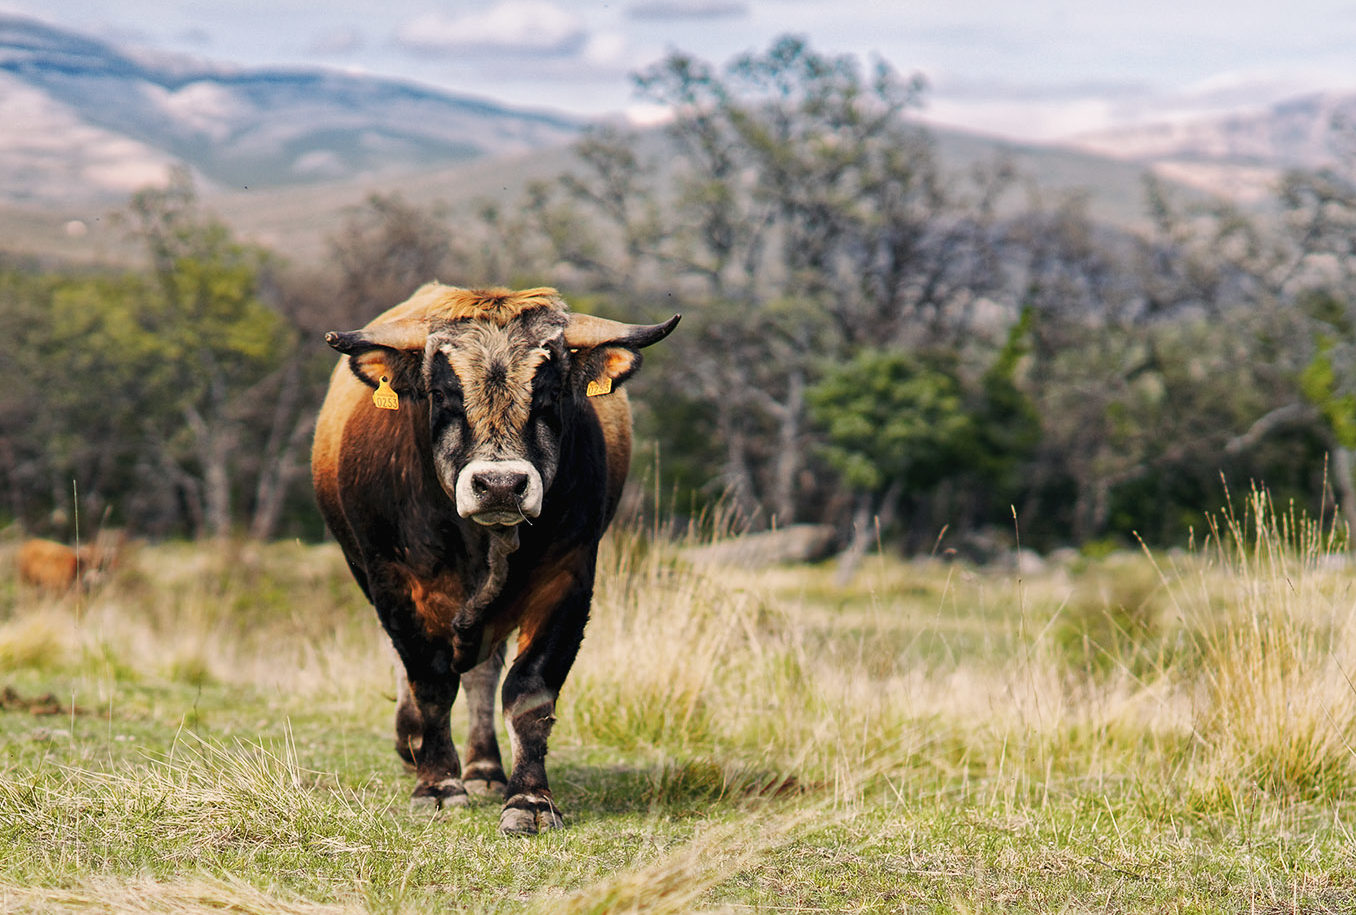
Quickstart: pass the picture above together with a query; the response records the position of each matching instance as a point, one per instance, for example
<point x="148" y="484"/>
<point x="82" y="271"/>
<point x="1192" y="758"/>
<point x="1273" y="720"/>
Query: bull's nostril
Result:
<point x="499" y="492"/>
<point x="500" y="487"/>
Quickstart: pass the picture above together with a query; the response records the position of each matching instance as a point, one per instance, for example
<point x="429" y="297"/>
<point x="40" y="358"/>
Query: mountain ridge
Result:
<point x="90" y="117"/>
<point x="283" y="152"/>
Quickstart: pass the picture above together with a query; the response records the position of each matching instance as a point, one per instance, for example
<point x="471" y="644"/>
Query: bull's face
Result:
<point x="495" y="413"/>
<point x="497" y="392"/>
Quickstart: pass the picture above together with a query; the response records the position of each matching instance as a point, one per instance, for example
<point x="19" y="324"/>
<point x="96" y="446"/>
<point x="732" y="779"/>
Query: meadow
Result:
<point x="1144" y="731"/>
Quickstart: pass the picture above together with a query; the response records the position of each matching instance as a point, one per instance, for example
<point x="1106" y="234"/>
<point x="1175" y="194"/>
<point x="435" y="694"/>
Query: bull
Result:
<point x="470" y="453"/>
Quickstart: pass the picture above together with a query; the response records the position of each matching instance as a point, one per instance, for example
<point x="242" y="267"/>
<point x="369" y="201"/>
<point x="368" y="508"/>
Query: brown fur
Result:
<point x="56" y="567"/>
<point x="437" y="602"/>
<point x="436" y="302"/>
<point x="549" y="584"/>
<point x="614" y="415"/>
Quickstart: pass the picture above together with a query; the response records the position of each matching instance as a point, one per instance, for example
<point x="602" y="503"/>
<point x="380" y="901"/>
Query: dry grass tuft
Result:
<point x="202" y="895"/>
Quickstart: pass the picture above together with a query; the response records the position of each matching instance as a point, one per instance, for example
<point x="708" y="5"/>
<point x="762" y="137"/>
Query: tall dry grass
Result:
<point x="1227" y="664"/>
<point x="284" y="617"/>
<point x="1221" y="669"/>
<point x="1267" y="683"/>
<point x="1231" y="661"/>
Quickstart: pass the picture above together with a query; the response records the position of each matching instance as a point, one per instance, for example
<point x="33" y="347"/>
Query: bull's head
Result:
<point x="497" y="379"/>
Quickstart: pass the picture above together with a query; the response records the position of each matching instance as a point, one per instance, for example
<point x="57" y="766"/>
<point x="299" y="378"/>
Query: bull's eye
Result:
<point x="446" y="401"/>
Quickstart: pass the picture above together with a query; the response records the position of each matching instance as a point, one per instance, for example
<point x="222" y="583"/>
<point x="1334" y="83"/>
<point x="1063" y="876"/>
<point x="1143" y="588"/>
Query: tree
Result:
<point x="386" y="249"/>
<point x="212" y="357"/>
<point x="802" y="218"/>
<point x="891" y="424"/>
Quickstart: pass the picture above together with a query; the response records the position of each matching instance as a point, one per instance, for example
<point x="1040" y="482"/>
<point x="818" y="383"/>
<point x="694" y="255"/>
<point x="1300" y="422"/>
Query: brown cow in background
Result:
<point x="469" y="455"/>
<point x="56" y="567"/>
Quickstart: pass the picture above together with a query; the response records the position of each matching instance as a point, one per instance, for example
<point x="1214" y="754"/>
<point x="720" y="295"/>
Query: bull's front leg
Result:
<point x="424" y="738"/>
<point x="424" y="704"/>
<point x="530" y="691"/>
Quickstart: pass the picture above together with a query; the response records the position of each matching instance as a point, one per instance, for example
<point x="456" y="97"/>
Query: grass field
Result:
<point x="1169" y="733"/>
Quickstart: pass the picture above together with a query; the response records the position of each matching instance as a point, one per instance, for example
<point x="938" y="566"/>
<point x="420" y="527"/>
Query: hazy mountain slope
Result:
<point x="93" y="120"/>
<point x="1297" y="133"/>
<point x="299" y="220"/>
<point x="1241" y="155"/>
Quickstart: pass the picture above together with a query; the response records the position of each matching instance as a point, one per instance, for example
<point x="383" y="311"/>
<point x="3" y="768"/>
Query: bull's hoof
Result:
<point x="430" y="798"/>
<point x="484" y="787"/>
<point x="528" y="814"/>
<point x="483" y="778"/>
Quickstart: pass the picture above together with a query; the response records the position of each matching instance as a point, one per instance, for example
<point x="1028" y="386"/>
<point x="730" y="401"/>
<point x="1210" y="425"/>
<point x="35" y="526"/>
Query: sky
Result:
<point x="1037" y="70"/>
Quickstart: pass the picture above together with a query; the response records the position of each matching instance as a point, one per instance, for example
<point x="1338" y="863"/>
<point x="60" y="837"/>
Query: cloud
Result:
<point x="336" y="41"/>
<point x="607" y="49"/>
<point x="687" y="9"/>
<point x="514" y="26"/>
<point x="196" y="36"/>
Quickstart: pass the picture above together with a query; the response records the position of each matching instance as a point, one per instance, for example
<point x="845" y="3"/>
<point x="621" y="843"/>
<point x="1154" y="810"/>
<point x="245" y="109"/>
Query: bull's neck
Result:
<point x="494" y="544"/>
<point x="502" y="543"/>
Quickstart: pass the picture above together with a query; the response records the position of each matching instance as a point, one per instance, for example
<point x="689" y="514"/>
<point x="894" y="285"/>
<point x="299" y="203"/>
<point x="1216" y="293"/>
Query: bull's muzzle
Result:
<point x="499" y="492"/>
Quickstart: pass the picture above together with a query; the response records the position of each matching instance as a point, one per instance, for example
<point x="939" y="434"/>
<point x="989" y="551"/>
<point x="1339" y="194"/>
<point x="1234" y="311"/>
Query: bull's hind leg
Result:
<point x="484" y="770"/>
<point x="409" y="724"/>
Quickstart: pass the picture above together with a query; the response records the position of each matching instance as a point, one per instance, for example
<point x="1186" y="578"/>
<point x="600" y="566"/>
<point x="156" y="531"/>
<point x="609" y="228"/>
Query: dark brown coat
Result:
<point x="474" y="510"/>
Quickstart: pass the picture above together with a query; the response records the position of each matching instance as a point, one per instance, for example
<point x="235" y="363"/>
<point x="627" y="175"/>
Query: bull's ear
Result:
<point x="608" y="352"/>
<point x="393" y="351"/>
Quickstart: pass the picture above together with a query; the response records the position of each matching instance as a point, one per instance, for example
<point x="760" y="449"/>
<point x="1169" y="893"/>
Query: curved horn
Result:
<point x="403" y="335"/>
<point x="587" y="331"/>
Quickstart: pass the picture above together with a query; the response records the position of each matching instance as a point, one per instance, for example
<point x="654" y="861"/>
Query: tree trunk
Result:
<point x="1343" y="467"/>
<point x="869" y="518"/>
<point x="276" y="478"/>
<point x="737" y="483"/>
<point x="789" y="453"/>
<point x="214" y="446"/>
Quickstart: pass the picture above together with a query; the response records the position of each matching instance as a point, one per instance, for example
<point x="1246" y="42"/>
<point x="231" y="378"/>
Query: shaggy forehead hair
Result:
<point x="495" y="355"/>
<point x="499" y="306"/>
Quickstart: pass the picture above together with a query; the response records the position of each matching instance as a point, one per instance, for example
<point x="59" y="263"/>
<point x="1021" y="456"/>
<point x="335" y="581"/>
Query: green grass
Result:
<point x="1139" y="733"/>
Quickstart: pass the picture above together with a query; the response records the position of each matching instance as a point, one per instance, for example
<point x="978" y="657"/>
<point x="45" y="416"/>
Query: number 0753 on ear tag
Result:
<point x="384" y="397"/>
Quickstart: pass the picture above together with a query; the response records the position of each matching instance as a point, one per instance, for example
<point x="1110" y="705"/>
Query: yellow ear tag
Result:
<point x="599" y="387"/>
<point x="384" y="397"/>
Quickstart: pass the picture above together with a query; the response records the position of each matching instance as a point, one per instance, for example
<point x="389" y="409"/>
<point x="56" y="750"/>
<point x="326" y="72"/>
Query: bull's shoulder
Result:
<point x="613" y="412"/>
<point x="361" y="456"/>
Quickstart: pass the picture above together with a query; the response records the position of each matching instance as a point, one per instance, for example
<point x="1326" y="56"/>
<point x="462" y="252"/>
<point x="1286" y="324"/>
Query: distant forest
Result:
<point x="869" y="340"/>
